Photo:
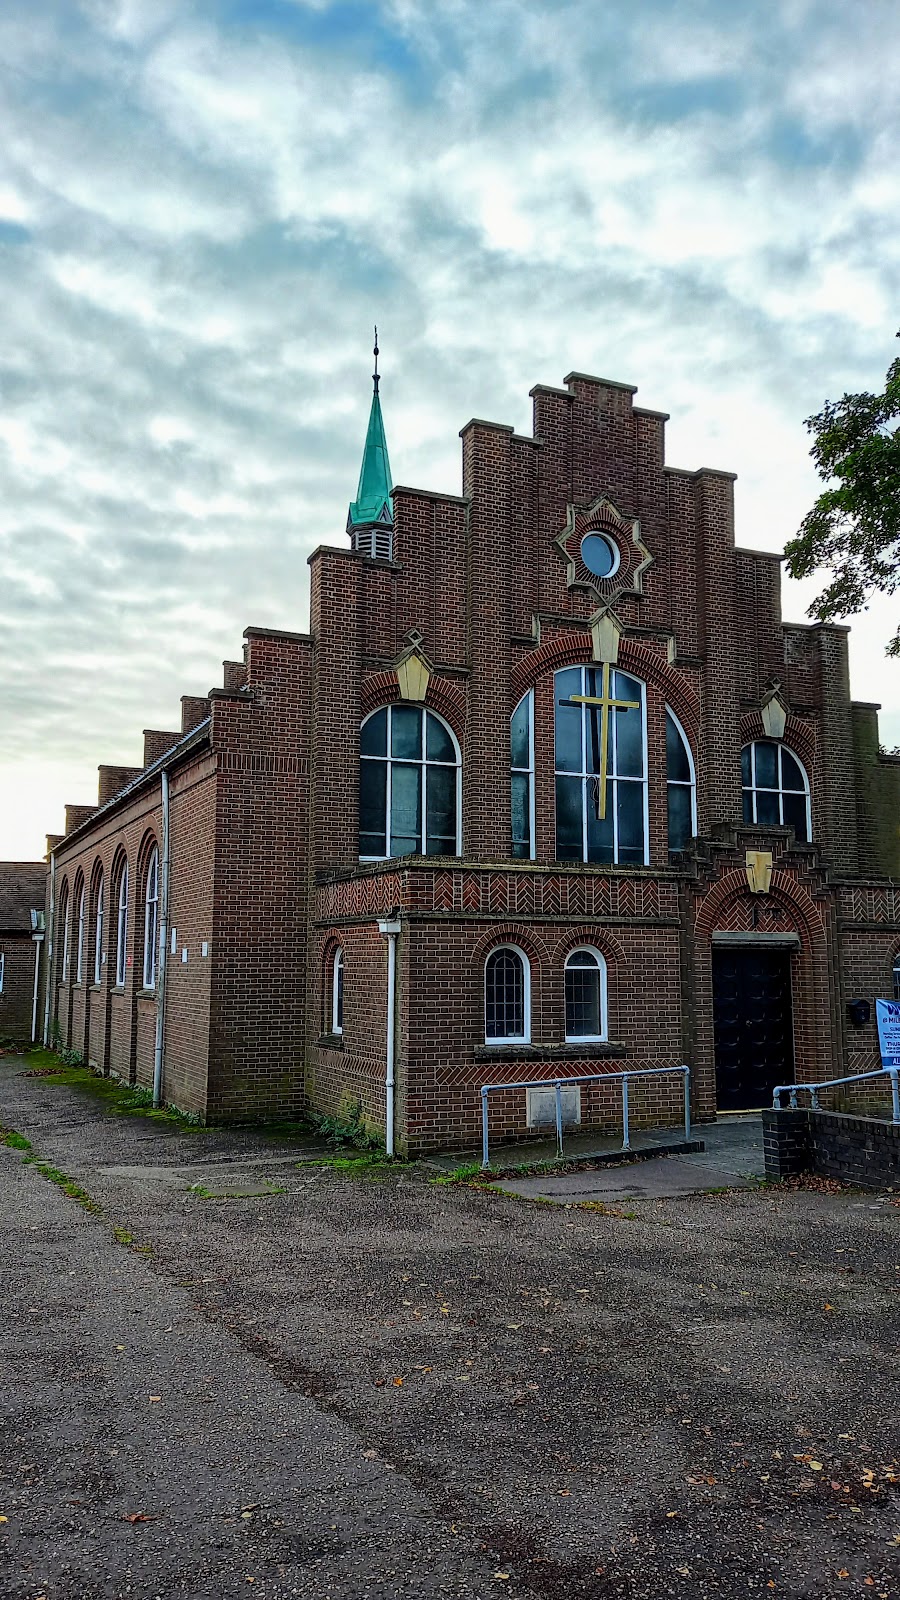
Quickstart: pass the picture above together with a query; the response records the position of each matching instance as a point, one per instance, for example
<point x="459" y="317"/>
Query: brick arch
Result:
<point x="575" y="649"/>
<point x="148" y="843"/>
<point x="573" y="938"/>
<point x="445" y="696"/>
<point x="508" y="933"/>
<point x="798" y="735"/>
<point x="785" y="888"/>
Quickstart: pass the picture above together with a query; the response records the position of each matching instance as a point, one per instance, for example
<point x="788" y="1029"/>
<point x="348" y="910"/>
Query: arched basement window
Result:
<point x="507" y="996"/>
<point x="775" y="787"/>
<point x="337" y="992"/>
<point x="585" y="981"/>
<point x="681" y="785"/>
<point x="521" y="742"/>
<point x="408" y="785"/>
<point x="151" y="920"/>
<point x="600" y="724"/>
<point x="122" y="927"/>
<point x="98" y="931"/>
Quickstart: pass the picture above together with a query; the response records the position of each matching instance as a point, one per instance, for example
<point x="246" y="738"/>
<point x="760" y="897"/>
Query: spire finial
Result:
<point x="375" y="376"/>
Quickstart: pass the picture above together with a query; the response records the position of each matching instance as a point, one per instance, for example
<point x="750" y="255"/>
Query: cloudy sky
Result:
<point x="205" y="204"/>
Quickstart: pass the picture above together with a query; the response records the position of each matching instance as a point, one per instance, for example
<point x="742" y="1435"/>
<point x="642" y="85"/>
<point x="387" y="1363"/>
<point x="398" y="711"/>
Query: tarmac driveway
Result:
<point x="376" y="1386"/>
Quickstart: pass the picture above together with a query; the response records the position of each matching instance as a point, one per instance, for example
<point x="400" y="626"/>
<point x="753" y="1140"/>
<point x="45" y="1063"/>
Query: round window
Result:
<point x="599" y="554"/>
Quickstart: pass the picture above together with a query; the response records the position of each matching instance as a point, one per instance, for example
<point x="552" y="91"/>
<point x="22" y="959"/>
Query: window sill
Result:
<point x="330" y="1041"/>
<point x="591" y="1050"/>
<point x="117" y="988"/>
<point x="147" y="994"/>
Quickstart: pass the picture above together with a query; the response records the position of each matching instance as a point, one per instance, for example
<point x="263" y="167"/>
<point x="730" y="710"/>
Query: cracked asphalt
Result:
<point x="311" y="1383"/>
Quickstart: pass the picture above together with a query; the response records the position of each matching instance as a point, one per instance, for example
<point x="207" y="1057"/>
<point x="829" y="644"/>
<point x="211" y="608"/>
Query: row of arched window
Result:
<point x="410" y="772"/>
<point x="74" y="928"/>
<point x="507" y="995"/>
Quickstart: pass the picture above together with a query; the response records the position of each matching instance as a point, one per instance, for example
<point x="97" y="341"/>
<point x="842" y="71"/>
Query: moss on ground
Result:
<point x="120" y="1099"/>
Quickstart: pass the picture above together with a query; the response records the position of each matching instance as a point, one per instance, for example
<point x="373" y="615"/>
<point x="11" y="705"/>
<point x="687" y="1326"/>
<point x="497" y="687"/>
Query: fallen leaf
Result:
<point x="842" y="1572"/>
<point x="671" y="1513"/>
<point x="828" y="1306"/>
<point x="398" y="1383"/>
<point x="815" y="1466"/>
<point x="503" y="1576"/>
<point x="4" y="1519"/>
<point x="155" y="1397"/>
<point x="370" y="1455"/>
<point x="137" y="1516"/>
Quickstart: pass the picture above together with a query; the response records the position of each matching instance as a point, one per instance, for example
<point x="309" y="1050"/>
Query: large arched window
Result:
<point x="600" y="726"/>
<point x="408" y="785"/>
<point x="64" y="920"/>
<point x="776" y="788"/>
<point x="585" y="981"/>
<point x="79" y="946"/>
<point x="122" y="926"/>
<point x="337" y="992"/>
<point x="680" y="785"/>
<point x="151" y="919"/>
<point x="98" y="931"/>
<point x="521" y="742"/>
<point x="507" y="996"/>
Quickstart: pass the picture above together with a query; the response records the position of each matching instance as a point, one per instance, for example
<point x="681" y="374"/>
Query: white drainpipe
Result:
<point x="38" y="941"/>
<point x="163" y="947"/>
<point x="389" y="930"/>
<point x="50" y="932"/>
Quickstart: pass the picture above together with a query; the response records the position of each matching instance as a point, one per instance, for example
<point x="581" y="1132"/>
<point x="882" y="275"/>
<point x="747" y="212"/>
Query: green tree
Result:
<point x="854" y="527"/>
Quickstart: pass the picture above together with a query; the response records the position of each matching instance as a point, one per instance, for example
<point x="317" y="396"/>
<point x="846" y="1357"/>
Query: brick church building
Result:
<point x="548" y="789"/>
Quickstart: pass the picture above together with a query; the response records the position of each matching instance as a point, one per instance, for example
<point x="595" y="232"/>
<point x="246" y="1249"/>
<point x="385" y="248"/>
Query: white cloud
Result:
<point x="211" y="213"/>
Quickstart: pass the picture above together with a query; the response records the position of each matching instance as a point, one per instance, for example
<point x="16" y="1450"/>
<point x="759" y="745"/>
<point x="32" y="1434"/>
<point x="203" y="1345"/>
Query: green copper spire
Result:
<point x="372" y="505"/>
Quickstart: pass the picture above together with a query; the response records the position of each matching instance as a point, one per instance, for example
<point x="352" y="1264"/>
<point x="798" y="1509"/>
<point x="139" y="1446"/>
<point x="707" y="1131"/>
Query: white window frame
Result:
<point x="337" y="991"/>
<point x="529" y="773"/>
<point x="151" y="920"/>
<point x="2" y="969"/>
<point x="79" y="951"/>
<point x="422" y="762"/>
<point x="753" y="789"/>
<point x="98" y="932"/>
<point x="584" y="774"/>
<point x="122" y="928"/>
<point x="679" y="783"/>
<point x="599" y="957"/>
<point x="511" y="1038"/>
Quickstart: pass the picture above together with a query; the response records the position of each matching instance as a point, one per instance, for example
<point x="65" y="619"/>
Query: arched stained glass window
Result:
<point x="79" y="947"/>
<point x="585" y="982"/>
<point x="151" y="920"/>
<point x="98" y="931"/>
<point x="600" y="734"/>
<point x="521" y="742"/>
<point x="408" y="785"/>
<point x="775" y="787"/>
<point x="507" y="996"/>
<point x="337" y="992"/>
<point x="122" y="927"/>
<point x="680" y="784"/>
<point x="64" y="919"/>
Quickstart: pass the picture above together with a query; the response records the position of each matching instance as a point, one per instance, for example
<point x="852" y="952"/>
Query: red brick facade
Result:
<point x="491" y="592"/>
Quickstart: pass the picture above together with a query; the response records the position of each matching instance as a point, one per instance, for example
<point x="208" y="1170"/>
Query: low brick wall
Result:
<point x="858" y="1150"/>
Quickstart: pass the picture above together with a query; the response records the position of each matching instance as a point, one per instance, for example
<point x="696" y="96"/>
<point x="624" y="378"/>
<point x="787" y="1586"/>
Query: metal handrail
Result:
<point x="589" y="1077"/>
<point x="812" y="1089"/>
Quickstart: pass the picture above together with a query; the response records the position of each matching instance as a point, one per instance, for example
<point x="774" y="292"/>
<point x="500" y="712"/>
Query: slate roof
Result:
<point x="22" y="888"/>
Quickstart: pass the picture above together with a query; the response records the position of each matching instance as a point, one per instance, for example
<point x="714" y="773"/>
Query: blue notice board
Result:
<point x="888" y="1014"/>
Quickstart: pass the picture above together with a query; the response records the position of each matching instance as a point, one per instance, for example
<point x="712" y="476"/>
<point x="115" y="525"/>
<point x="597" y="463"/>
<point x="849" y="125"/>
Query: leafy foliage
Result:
<point x="348" y="1128"/>
<point x="854" y="527"/>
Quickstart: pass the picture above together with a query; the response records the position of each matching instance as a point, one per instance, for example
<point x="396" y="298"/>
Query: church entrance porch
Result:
<point x="753" y="1024"/>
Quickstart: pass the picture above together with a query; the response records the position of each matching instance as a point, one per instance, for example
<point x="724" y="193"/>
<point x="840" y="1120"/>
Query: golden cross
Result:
<point x="606" y="703"/>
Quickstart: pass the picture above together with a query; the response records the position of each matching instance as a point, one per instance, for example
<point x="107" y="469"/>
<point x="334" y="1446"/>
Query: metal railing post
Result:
<point x="895" y="1092"/>
<point x="626" y="1132"/>
<point x="687" y="1103"/>
<point x="559" y="1136"/>
<point x="485" y="1152"/>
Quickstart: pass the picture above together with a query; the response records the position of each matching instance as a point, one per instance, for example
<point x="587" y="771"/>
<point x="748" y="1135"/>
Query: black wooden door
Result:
<point x="754" y="1034"/>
